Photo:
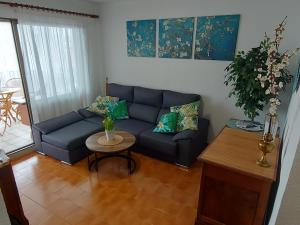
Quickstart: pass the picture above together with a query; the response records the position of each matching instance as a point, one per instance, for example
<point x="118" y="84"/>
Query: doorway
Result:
<point x="15" y="122"/>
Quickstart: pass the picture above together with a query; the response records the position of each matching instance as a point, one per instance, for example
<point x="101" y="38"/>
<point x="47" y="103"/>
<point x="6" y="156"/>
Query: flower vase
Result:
<point x="271" y="125"/>
<point x="109" y="135"/>
<point x="266" y="144"/>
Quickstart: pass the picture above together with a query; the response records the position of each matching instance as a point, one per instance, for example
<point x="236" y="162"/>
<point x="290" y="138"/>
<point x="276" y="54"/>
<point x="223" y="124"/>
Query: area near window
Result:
<point x="15" y="131"/>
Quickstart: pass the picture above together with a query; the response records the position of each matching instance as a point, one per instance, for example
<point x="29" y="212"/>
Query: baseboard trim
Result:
<point x="182" y="166"/>
<point x="42" y="153"/>
<point x="20" y="152"/>
<point x="69" y="164"/>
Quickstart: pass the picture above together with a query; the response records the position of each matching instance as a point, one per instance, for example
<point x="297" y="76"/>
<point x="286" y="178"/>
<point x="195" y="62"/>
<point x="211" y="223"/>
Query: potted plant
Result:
<point x="241" y="76"/>
<point x="258" y="76"/>
<point x="108" y="123"/>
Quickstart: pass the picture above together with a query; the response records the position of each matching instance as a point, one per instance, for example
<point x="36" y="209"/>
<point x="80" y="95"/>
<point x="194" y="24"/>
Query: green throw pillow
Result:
<point x="118" y="110"/>
<point x="187" y="116"/>
<point x="167" y="123"/>
<point x="99" y="106"/>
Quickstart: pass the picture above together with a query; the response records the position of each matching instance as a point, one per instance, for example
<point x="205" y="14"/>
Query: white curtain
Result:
<point x="58" y="67"/>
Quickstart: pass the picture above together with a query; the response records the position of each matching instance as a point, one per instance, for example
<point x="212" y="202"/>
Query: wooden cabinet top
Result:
<point x="238" y="150"/>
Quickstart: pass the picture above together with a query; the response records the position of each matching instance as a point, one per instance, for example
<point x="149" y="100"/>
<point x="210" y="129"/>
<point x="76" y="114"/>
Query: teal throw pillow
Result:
<point x="167" y="123"/>
<point x="118" y="110"/>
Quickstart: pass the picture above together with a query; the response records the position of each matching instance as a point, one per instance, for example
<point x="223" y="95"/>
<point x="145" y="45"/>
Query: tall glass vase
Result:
<point x="271" y="125"/>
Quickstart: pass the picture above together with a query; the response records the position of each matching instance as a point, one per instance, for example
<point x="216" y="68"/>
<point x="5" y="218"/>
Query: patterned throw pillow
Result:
<point x="99" y="106"/>
<point x="118" y="110"/>
<point x="167" y="123"/>
<point x="187" y="116"/>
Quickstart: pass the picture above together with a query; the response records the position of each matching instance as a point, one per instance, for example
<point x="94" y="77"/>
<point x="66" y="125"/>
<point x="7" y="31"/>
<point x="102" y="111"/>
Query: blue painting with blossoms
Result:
<point x="216" y="37"/>
<point x="176" y="38"/>
<point x="141" y="38"/>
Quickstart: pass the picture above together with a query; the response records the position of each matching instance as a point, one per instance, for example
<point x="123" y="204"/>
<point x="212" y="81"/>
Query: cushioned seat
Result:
<point x="133" y="126"/>
<point x="158" y="142"/>
<point x="96" y="119"/>
<point x="71" y="136"/>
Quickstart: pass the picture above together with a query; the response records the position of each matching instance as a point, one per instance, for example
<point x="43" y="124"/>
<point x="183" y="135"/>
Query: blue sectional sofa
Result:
<point x="64" y="137"/>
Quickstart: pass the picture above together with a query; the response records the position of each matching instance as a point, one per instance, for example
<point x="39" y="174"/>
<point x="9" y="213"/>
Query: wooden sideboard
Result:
<point x="10" y="194"/>
<point x="234" y="190"/>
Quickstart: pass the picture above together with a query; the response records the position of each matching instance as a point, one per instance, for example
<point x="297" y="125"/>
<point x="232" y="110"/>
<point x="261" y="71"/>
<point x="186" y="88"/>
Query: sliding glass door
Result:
<point x="15" y="116"/>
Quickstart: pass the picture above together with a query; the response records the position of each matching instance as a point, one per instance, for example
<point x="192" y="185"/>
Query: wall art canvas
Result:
<point x="176" y="38"/>
<point x="141" y="38"/>
<point x="216" y="37"/>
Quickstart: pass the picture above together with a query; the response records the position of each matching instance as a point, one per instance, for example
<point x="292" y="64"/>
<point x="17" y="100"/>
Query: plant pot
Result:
<point x="109" y="135"/>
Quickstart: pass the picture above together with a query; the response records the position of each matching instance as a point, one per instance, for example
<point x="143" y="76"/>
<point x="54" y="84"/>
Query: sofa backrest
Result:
<point x="146" y="104"/>
<point x="121" y="91"/>
<point x="149" y="104"/>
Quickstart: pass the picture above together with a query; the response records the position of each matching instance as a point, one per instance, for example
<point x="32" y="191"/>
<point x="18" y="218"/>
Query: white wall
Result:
<point x="289" y="212"/>
<point x="287" y="201"/>
<point x="195" y="76"/>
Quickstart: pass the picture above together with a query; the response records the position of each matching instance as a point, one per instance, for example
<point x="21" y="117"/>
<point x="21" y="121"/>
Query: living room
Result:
<point x="68" y="58"/>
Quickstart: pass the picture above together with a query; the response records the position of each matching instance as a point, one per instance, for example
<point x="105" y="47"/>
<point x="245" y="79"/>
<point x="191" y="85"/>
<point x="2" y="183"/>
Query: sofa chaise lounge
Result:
<point x="64" y="137"/>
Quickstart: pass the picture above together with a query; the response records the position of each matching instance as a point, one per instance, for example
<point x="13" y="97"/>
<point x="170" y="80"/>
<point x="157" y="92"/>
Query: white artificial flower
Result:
<point x="259" y="69"/>
<point x="280" y="85"/>
<point x="262" y="84"/>
<point x="278" y="102"/>
<point x="268" y="91"/>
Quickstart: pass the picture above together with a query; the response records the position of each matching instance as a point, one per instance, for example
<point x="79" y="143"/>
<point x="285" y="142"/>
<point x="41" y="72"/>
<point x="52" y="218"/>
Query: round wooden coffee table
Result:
<point x="108" y="151"/>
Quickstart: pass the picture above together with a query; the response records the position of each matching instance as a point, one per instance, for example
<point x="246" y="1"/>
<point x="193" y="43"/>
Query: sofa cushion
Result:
<point x="143" y="112"/>
<point x="71" y="136"/>
<point x="147" y="96"/>
<point x="158" y="142"/>
<point x="96" y="119"/>
<point x="133" y="126"/>
<point x="58" y="122"/>
<point x="121" y="91"/>
<point x="172" y="98"/>
<point x="86" y="113"/>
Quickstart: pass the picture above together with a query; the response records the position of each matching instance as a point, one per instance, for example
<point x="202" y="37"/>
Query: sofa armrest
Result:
<point x="84" y="112"/>
<point x="203" y="125"/>
<point x="185" y="135"/>
<point x="56" y="123"/>
<point x="37" y="139"/>
<point x="191" y="143"/>
<point x="201" y="133"/>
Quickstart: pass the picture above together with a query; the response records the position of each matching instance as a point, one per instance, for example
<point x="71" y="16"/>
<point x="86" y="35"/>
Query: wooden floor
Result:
<point x="158" y="193"/>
